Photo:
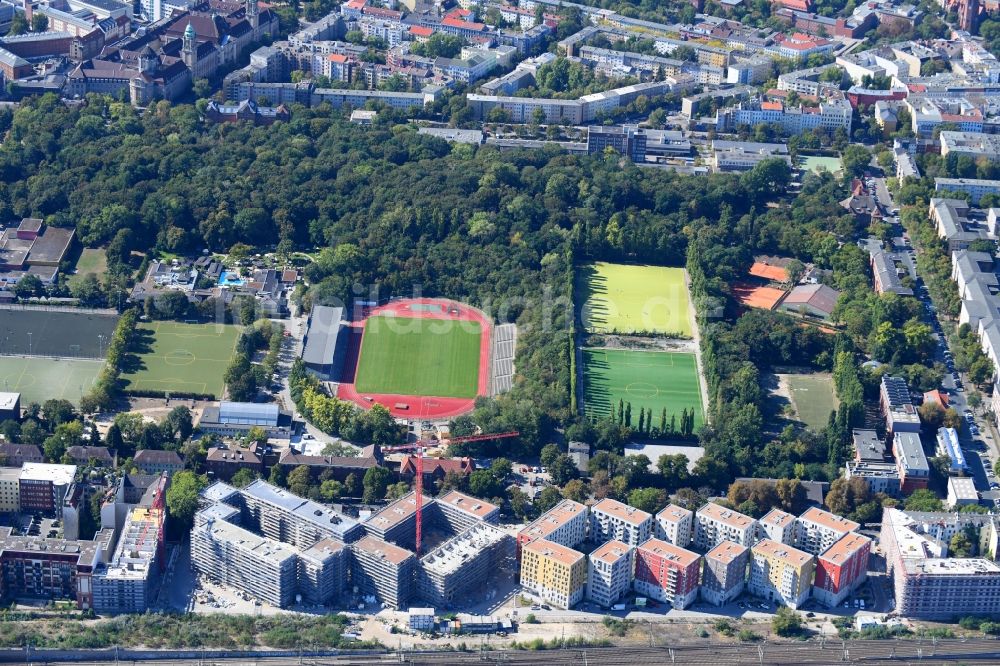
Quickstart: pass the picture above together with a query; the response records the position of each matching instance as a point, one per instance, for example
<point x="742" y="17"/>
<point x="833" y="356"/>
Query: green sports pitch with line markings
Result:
<point x="182" y="358"/>
<point x="39" y="379"/>
<point x="650" y="380"/>
<point x="632" y="298"/>
<point x="425" y="357"/>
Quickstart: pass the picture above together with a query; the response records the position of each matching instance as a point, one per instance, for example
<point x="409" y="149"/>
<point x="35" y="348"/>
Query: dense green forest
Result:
<point x="389" y="210"/>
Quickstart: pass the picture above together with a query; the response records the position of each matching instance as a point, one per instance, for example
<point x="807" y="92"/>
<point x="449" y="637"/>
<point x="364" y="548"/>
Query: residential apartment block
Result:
<point x="397" y="522"/>
<point x="556" y="573"/>
<point x="564" y="524"/>
<point x="715" y="524"/>
<point x="283" y="516"/>
<point x="928" y="584"/>
<point x="610" y="519"/>
<point x="972" y="189"/>
<point x="463" y="564"/>
<point x="816" y="530"/>
<point x="841" y="569"/>
<point x="780" y="573"/>
<point x="674" y="524"/>
<point x="725" y="572"/>
<point x="897" y="406"/>
<point x="958" y="224"/>
<point x="667" y="573"/>
<point x="461" y="511"/>
<point x="911" y="462"/>
<point x="778" y="526"/>
<point x="42" y="487"/>
<point x="383" y="570"/>
<point x="973" y="144"/>
<point x="609" y="573"/>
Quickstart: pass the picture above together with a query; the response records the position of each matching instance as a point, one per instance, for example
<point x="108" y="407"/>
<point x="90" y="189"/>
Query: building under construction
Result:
<point x="299" y="556"/>
<point x="464" y="564"/>
<point x="397" y="522"/>
<point x="383" y="570"/>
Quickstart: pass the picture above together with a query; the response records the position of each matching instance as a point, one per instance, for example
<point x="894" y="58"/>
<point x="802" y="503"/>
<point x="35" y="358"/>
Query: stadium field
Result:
<point x="423" y="357"/>
<point x="812" y="397"/>
<point x="626" y="298"/>
<point x="40" y="379"/>
<point x="650" y="380"/>
<point x="182" y="358"/>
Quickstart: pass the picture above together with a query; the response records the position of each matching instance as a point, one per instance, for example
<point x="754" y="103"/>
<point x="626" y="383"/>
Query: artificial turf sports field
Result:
<point x="627" y="298"/>
<point x="653" y="380"/>
<point x="181" y="358"/>
<point x="39" y="379"/>
<point x="426" y="357"/>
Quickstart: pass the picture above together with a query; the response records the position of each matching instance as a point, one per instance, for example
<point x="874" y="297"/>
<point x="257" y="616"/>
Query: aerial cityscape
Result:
<point x="454" y="330"/>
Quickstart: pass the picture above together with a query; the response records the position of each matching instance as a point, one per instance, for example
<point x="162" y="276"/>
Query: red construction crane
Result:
<point x="419" y="486"/>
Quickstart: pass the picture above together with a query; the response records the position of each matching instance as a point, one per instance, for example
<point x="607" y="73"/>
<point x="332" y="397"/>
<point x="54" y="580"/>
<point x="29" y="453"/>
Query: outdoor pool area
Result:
<point x="230" y="279"/>
<point x="816" y="162"/>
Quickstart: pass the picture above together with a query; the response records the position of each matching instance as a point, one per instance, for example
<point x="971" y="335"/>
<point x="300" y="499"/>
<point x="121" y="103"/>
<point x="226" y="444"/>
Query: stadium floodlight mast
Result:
<point x="29" y="343"/>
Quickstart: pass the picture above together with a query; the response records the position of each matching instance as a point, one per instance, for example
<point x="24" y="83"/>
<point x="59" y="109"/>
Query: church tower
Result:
<point x="188" y="50"/>
<point x="253" y="15"/>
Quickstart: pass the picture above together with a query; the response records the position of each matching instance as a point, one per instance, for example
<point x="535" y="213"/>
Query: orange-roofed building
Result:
<point x="767" y="271"/>
<point x="421" y="32"/>
<point x="841" y="569"/>
<point x="772" y="106"/>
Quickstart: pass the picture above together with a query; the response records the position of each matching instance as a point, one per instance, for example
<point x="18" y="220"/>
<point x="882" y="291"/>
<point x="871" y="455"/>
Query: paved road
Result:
<point x="981" y="451"/>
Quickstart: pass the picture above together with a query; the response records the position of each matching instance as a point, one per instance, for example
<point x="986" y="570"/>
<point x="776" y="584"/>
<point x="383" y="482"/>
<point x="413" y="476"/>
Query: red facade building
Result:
<point x="841" y="569"/>
<point x="667" y="573"/>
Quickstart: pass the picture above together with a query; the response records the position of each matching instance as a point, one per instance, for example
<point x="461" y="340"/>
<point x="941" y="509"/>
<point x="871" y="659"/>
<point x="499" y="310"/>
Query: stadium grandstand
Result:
<point x="323" y="350"/>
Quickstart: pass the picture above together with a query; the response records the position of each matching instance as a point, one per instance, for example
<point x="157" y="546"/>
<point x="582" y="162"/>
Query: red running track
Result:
<point x="426" y="408"/>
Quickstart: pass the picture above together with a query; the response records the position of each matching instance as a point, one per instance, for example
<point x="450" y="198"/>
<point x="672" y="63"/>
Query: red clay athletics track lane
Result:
<point x="423" y="407"/>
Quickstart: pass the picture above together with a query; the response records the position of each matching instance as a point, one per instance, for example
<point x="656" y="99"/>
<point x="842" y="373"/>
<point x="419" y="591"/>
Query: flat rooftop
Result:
<point x="792" y="556"/>
<point x="307" y="510"/>
<point x="726" y="552"/>
<point x="611" y="552"/>
<point x="553" y="551"/>
<point x="397" y="512"/>
<point x="829" y="520"/>
<point x="668" y="552"/>
<point x="847" y="546"/>
<point x="672" y="513"/>
<point x="727" y="516"/>
<point x="452" y="555"/>
<point x="262" y="547"/>
<point x="952" y="566"/>
<point x="468" y="504"/>
<point x="553" y="519"/>
<point x="382" y="549"/>
<point x="9" y="400"/>
<point x="623" y="512"/>
<point x="218" y="492"/>
<point x="59" y="475"/>
<point x="322" y="549"/>
<point x="778" y="518"/>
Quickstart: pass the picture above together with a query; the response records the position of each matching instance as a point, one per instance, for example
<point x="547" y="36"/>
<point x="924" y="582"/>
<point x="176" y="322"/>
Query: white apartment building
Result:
<point x="609" y="573"/>
<point x="715" y="524"/>
<point x="816" y="530"/>
<point x="674" y="525"/>
<point x="778" y="526"/>
<point x="610" y="519"/>
<point x="564" y="524"/>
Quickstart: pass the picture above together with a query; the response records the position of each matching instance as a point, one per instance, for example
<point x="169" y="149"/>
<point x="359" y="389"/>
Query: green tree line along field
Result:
<point x="504" y="231"/>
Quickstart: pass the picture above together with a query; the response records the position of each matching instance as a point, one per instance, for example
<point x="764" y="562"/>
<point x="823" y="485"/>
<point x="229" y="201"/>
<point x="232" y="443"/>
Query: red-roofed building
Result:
<point x="420" y="33"/>
<point x="435" y="469"/>
<point x="796" y="5"/>
<point x="457" y="26"/>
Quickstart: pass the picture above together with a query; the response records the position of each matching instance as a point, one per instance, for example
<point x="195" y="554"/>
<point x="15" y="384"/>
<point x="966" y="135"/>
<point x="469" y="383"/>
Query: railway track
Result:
<point x="941" y="652"/>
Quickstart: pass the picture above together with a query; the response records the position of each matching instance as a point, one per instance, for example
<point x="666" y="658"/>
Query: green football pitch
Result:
<point x="651" y="380"/>
<point x="182" y="358"/>
<point x="626" y="298"/>
<point x="426" y="357"/>
<point x="39" y="379"/>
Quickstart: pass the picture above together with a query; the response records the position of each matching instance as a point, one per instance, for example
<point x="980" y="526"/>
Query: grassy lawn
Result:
<point x="40" y="379"/>
<point x="427" y="357"/>
<point x="813" y="398"/>
<point x="816" y="162"/>
<point x="653" y="380"/>
<point x="189" y="358"/>
<point x="627" y="298"/>
<point x="91" y="262"/>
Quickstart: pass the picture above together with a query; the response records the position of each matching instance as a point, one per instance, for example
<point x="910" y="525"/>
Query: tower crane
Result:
<point x="419" y="447"/>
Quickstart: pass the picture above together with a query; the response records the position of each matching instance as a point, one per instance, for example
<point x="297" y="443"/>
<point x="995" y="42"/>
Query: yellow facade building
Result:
<point x="555" y="573"/>
<point x="780" y="573"/>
